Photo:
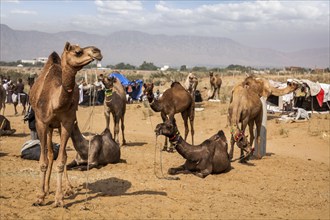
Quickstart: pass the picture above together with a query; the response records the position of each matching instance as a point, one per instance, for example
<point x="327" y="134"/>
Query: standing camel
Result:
<point x="245" y="108"/>
<point x="115" y="102"/>
<point x="263" y="88"/>
<point x="215" y="82"/>
<point x="54" y="98"/>
<point x="174" y="100"/>
<point x="191" y="84"/>
<point x="211" y="156"/>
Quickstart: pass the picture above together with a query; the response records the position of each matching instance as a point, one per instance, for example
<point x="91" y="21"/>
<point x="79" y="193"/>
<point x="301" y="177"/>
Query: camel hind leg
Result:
<point x="50" y="155"/>
<point x="43" y="162"/>
<point x="122" y="129"/>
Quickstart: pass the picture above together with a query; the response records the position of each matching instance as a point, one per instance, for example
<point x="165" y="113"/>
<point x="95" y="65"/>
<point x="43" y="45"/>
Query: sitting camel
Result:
<point x="115" y="102"/>
<point x="211" y="156"/>
<point x="54" y="98"/>
<point x="174" y="100"/>
<point x="246" y="108"/>
<point x="215" y="82"/>
<point x="5" y="128"/>
<point x="99" y="151"/>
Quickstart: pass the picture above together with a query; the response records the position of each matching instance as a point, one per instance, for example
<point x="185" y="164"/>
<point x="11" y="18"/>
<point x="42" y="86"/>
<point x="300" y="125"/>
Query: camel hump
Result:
<point x="175" y="84"/>
<point x="54" y="58"/>
<point x="221" y="133"/>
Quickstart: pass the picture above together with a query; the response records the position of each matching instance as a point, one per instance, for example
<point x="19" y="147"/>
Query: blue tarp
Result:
<point x="136" y="86"/>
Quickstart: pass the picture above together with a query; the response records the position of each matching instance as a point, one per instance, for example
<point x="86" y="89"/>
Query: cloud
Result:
<point x="25" y="12"/>
<point x="118" y="7"/>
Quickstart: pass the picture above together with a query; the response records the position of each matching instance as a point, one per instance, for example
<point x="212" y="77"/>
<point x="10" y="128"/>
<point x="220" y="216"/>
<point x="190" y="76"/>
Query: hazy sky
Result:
<point x="281" y="25"/>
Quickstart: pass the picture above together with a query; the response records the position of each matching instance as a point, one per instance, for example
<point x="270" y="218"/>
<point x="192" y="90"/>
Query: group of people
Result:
<point x="88" y="91"/>
<point x="13" y="90"/>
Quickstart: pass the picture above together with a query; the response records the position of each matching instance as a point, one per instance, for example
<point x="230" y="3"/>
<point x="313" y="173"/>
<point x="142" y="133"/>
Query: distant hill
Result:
<point x="134" y="47"/>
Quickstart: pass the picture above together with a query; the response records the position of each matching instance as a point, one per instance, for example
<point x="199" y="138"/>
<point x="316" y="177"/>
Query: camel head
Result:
<point x="168" y="129"/>
<point x="77" y="57"/>
<point x="193" y="82"/>
<point x="211" y="74"/>
<point x="148" y="91"/>
<point x="109" y="83"/>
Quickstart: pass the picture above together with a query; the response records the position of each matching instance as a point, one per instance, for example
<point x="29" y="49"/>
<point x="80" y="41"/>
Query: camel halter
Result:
<point x="175" y="139"/>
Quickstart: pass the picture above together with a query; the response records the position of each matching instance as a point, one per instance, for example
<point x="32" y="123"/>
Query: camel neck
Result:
<point x="184" y="149"/>
<point x="68" y="78"/>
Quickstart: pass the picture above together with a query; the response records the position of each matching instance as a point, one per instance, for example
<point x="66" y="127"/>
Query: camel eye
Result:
<point x="78" y="53"/>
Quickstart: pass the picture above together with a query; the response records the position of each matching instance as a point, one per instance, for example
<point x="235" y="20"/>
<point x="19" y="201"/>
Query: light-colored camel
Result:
<point x="54" y="98"/>
<point x="191" y="84"/>
<point x="2" y="99"/>
<point x="99" y="151"/>
<point x="215" y="82"/>
<point x="115" y="103"/>
<point x="263" y="87"/>
<point x="211" y="156"/>
<point x="245" y="108"/>
<point x="174" y="100"/>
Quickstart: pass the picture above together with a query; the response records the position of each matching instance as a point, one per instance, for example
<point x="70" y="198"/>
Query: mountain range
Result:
<point x="135" y="47"/>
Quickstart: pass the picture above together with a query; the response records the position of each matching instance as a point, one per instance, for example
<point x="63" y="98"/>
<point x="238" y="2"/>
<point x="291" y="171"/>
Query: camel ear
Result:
<point x="67" y="46"/>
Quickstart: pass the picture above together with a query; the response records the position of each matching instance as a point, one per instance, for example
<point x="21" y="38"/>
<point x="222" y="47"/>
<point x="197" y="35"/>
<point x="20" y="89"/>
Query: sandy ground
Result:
<point x="291" y="182"/>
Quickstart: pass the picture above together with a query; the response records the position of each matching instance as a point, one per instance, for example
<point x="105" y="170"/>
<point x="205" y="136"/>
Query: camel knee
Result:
<point x="43" y="167"/>
<point x="60" y="168"/>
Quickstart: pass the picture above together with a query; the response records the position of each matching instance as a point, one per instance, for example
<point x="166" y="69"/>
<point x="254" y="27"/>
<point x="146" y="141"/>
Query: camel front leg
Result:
<point x="164" y="118"/>
<point x="43" y="162"/>
<point x="178" y="170"/>
<point x="68" y="187"/>
<point x="61" y="162"/>
<point x="107" y="116"/>
<point x="185" y="121"/>
<point x="50" y="155"/>
<point x="232" y="143"/>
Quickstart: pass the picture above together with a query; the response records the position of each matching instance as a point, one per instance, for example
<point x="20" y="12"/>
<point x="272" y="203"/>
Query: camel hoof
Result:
<point x="39" y="202"/>
<point x="69" y="191"/>
<point x="59" y="203"/>
<point x="171" y="171"/>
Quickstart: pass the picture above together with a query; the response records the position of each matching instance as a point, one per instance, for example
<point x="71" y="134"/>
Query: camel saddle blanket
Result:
<point x="31" y="150"/>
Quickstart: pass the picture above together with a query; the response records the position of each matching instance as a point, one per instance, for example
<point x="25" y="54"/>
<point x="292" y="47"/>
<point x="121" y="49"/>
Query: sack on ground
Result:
<point x="31" y="150"/>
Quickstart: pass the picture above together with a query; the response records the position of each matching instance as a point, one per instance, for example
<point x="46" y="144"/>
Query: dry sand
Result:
<point x="291" y="182"/>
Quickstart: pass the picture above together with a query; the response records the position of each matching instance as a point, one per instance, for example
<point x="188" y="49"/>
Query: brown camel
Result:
<point x="174" y="100"/>
<point x="211" y="156"/>
<point x="2" y="99"/>
<point x="115" y="102"/>
<point x="215" y="82"/>
<point x="245" y="108"/>
<point x="54" y="98"/>
<point x="99" y="151"/>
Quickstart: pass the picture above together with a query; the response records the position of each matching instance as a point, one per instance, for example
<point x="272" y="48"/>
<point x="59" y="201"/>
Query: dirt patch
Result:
<point x="291" y="182"/>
